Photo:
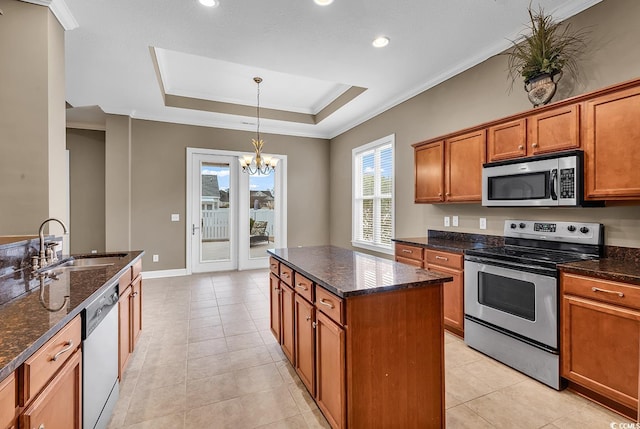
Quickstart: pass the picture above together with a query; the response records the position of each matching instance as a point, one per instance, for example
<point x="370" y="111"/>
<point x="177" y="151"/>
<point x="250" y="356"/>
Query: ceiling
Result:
<point x="178" y="61"/>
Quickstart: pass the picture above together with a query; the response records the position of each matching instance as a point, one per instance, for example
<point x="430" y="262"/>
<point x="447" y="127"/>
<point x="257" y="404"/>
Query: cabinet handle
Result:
<point x="439" y="194"/>
<point x="328" y="304"/>
<point x="597" y="289"/>
<point x="41" y="426"/>
<point x="133" y="295"/>
<point x="308" y="318"/>
<point x="69" y="346"/>
<point x="448" y="194"/>
<point x="313" y="325"/>
<point x="534" y="145"/>
<point x="285" y="275"/>
<point x="520" y="147"/>
<point x="407" y="251"/>
<point x="302" y="286"/>
<point x="442" y="258"/>
<point x="274" y="266"/>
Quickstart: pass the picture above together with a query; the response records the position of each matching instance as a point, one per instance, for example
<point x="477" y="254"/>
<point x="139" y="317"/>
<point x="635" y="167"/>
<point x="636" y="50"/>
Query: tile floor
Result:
<point x="206" y="359"/>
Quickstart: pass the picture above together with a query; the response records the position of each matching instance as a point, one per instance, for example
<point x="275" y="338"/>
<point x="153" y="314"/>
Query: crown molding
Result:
<point x="60" y="10"/>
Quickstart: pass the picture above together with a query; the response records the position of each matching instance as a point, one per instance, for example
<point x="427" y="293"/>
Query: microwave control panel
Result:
<point x="567" y="183"/>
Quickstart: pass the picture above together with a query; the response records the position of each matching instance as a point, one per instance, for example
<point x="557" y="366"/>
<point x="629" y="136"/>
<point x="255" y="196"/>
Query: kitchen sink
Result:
<point x="87" y="262"/>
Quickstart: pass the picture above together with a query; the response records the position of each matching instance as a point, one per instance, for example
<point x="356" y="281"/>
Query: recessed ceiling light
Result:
<point x="380" y="42"/>
<point x="323" y="2"/>
<point x="209" y="3"/>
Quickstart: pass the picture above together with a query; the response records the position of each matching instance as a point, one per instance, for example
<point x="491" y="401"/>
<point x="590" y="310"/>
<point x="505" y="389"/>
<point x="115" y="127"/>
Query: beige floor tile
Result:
<point x="258" y="378"/>
<point x="229" y="309"/>
<point x="237" y="328"/>
<point x="302" y="397"/>
<point x="590" y="416"/>
<point x="227" y="414"/>
<point x="295" y="422"/>
<point x="226" y="362"/>
<point x="315" y="420"/>
<point x="287" y="372"/>
<point x="205" y="333"/>
<point x="154" y="403"/>
<point x="244" y="341"/>
<point x="464" y="386"/>
<point x="209" y="390"/>
<point x="462" y="417"/>
<point x="203" y="322"/>
<point x="160" y="353"/>
<point x="239" y="316"/>
<point x="203" y="303"/>
<point x="206" y="348"/>
<point x="173" y="421"/>
<point x="198" y="313"/>
<point x="457" y="354"/>
<point x="269" y="406"/>
<point x="153" y="375"/>
<point x="493" y="373"/>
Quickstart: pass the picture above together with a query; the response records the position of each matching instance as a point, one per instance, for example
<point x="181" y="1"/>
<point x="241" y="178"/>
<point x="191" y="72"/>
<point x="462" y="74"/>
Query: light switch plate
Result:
<point x="156" y="258"/>
<point x="447" y="221"/>
<point x="455" y="221"/>
<point x="483" y="223"/>
<point x="175" y="217"/>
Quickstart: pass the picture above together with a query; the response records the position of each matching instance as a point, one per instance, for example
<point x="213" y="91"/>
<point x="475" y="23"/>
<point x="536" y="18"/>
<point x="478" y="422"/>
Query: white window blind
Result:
<point x="373" y="195"/>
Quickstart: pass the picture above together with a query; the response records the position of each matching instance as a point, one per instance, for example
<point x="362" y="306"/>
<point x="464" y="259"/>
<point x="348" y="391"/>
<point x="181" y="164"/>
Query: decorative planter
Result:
<point x="542" y="88"/>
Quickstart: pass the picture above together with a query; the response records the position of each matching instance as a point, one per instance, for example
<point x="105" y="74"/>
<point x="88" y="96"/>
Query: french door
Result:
<point x="232" y="217"/>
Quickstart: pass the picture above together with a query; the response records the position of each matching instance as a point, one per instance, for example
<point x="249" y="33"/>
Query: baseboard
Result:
<point x="164" y="273"/>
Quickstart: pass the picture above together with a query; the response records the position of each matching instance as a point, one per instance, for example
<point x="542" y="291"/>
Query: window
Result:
<point x="373" y="204"/>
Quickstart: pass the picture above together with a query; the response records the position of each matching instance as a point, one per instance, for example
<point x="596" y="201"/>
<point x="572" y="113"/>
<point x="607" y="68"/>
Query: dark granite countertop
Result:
<point x="453" y="241"/>
<point x="347" y="273"/>
<point x="618" y="270"/>
<point x="25" y="322"/>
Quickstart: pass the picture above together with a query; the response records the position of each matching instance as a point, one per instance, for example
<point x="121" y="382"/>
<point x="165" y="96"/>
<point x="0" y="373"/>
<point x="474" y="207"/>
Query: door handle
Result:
<point x="193" y="229"/>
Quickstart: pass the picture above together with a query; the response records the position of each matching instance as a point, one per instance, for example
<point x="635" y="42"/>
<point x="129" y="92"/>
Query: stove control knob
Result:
<point x="584" y="230"/>
<point x="571" y="228"/>
<point x="522" y="225"/>
<point x="513" y="226"/>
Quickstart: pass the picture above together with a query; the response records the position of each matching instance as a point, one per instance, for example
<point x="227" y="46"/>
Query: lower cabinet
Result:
<point x="59" y="405"/>
<point x="330" y="370"/>
<point x="304" y="343"/>
<point x="274" y="299"/>
<point x="453" y="291"/>
<point x="287" y="332"/>
<point x="600" y="345"/>
<point x="8" y="402"/>
<point x="129" y="319"/>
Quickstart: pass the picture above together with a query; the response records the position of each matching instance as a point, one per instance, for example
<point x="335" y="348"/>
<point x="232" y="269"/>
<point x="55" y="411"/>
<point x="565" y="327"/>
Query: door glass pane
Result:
<point x="214" y="212"/>
<point x="261" y="214"/>
<point x="506" y="294"/>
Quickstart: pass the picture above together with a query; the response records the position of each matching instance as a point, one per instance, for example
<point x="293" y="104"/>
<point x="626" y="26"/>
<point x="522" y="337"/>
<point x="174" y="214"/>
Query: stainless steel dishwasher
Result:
<point x="100" y="388"/>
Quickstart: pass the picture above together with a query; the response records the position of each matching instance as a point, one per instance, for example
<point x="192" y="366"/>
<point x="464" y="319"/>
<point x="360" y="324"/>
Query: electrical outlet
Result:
<point x="94" y="251"/>
<point x="156" y="258"/>
<point x="455" y="221"/>
<point x="483" y="223"/>
<point x="175" y="217"/>
<point x="447" y="221"/>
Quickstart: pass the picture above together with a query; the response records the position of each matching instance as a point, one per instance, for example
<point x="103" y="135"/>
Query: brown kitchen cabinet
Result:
<point x="429" y="173"/>
<point x="549" y="131"/>
<point x="129" y="314"/>
<point x="305" y="342"/>
<point x="287" y="333"/>
<point x="59" y="405"/>
<point x="330" y="370"/>
<point x="453" y="291"/>
<point x="408" y="254"/>
<point x="611" y="161"/>
<point x="464" y="156"/>
<point x="276" y="310"/>
<point x="8" y="402"/>
<point x="600" y="340"/>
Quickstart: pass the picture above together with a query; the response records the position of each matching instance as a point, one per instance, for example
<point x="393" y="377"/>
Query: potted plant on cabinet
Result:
<point x="541" y="55"/>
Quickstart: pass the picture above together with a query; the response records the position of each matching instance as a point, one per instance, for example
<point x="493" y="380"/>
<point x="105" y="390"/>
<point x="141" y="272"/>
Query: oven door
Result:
<point x="531" y="183"/>
<point x="514" y="300"/>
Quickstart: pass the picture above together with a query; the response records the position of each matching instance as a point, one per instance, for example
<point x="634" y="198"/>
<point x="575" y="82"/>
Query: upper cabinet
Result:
<point x="450" y="170"/>
<point x="612" y="133"/>
<point x="550" y="131"/>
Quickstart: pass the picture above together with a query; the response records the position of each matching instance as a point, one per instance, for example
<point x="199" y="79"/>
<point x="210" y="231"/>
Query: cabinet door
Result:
<point x="554" y="130"/>
<point x="8" y="401"/>
<point x="136" y="310"/>
<point x="124" y="330"/>
<point x="453" y="299"/>
<point x="464" y="156"/>
<point x="600" y="348"/>
<point x="305" y="344"/>
<point x="429" y="173"/>
<point x="59" y="405"/>
<point x="610" y="145"/>
<point x="274" y="297"/>
<point x="330" y="370"/>
<point x="286" y="332"/>
<point x="507" y="140"/>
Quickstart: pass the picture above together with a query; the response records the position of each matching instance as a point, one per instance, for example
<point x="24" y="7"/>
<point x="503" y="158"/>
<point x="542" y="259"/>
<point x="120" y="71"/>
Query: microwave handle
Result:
<point x="553" y="184"/>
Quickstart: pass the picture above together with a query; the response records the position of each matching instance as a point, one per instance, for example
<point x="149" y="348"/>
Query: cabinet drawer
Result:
<point x="274" y="266"/>
<point x="409" y="252"/>
<point x="303" y="287"/>
<point x="286" y="274"/>
<point x="43" y="364"/>
<point x="601" y="290"/>
<point x="124" y="281"/>
<point x="136" y="269"/>
<point x="444" y="259"/>
<point x="7" y="401"/>
<point x="408" y="261"/>
<point x="330" y="304"/>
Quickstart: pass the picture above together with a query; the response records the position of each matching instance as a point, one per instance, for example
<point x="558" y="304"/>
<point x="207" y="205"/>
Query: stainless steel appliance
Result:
<point x="511" y="293"/>
<point x="541" y="181"/>
<point x="100" y="388"/>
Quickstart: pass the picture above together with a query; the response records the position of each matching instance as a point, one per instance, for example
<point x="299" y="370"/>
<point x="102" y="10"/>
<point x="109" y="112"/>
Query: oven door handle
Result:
<point x="553" y="184"/>
<point x="534" y="269"/>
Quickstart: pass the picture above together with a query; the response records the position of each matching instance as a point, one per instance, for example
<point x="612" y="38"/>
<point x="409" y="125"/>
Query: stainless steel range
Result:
<point x="512" y="293"/>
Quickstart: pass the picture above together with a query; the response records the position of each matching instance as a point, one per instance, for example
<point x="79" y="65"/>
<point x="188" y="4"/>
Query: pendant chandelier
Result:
<point x="258" y="164"/>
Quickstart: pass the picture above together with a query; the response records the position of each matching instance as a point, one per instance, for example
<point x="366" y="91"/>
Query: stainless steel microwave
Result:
<point x="541" y="181"/>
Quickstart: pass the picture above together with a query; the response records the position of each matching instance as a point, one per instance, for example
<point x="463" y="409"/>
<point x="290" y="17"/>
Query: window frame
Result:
<point x="356" y="195"/>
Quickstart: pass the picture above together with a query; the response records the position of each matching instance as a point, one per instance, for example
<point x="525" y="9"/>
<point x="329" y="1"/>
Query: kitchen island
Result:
<point x="364" y="333"/>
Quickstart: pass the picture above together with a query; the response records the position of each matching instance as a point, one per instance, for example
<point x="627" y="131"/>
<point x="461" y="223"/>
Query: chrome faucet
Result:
<point x="45" y="257"/>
